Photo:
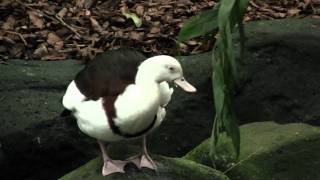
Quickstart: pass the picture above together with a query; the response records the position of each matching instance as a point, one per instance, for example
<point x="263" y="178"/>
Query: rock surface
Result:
<point x="281" y="72"/>
<point x="168" y="168"/>
<point x="272" y="151"/>
<point x="31" y="92"/>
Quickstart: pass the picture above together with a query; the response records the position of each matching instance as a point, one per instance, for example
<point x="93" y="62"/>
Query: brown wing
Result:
<point x="109" y="74"/>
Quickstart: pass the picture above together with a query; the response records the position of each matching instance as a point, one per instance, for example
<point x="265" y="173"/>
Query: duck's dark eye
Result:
<point x="171" y="69"/>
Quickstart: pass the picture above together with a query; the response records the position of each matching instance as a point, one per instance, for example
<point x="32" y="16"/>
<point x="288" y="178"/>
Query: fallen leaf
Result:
<point x="155" y="30"/>
<point x="35" y="19"/>
<point x="17" y="50"/>
<point x="192" y="43"/>
<point x="7" y="39"/>
<point x="135" y="35"/>
<point x="40" y="51"/>
<point x="9" y="24"/>
<point x="137" y="21"/>
<point x="140" y="10"/>
<point x="118" y="19"/>
<point x="293" y="12"/>
<point x="80" y="3"/>
<point x="96" y="26"/>
<point x="54" y="57"/>
<point x="55" y="41"/>
<point x="62" y="12"/>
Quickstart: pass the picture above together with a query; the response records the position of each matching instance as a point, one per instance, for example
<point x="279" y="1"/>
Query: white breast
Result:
<point x="135" y="110"/>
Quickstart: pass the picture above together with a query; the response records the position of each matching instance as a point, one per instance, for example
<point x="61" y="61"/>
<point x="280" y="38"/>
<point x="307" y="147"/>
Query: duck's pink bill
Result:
<point x="185" y="85"/>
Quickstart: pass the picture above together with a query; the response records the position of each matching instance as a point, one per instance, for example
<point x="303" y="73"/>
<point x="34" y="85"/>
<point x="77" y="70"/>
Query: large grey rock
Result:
<point x="31" y="92"/>
<point x="281" y="72"/>
<point x="272" y="151"/>
<point x="168" y="169"/>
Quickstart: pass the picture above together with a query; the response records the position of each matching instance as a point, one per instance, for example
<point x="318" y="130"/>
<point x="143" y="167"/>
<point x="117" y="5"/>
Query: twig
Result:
<point x="20" y="35"/>
<point x="36" y="5"/>
<point x="68" y="26"/>
<point x="57" y="18"/>
<point x="7" y="39"/>
<point x="240" y="162"/>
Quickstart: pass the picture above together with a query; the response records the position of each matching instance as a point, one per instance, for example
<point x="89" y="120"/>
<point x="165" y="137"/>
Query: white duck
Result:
<point x="115" y="98"/>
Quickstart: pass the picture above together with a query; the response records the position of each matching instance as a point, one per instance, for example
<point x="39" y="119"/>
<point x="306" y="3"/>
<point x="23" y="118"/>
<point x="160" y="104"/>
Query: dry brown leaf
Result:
<point x="7" y="39"/>
<point x="192" y="43"/>
<point x="54" y="57"/>
<point x="96" y="26"/>
<point x="4" y="3"/>
<point x="118" y="19"/>
<point x="183" y="47"/>
<point x="279" y="15"/>
<point x="136" y="36"/>
<point x="55" y="41"/>
<point x="185" y="2"/>
<point x="40" y="51"/>
<point x="9" y="24"/>
<point x="140" y="10"/>
<point x="62" y="12"/>
<point x="17" y="50"/>
<point x="293" y="12"/>
<point x="147" y="18"/>
<point x="155" y="30"/>
<point x="35" y="19"/>
<point x="80" y="3"/>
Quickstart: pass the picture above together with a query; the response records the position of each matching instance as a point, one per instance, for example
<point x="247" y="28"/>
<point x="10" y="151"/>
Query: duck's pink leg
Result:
<point x="110" y="166"/>
<point x="143" y="160"/>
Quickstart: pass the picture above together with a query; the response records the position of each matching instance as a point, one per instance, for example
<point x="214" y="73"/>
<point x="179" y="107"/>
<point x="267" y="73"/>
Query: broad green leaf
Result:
<point x="137" y="21"/>
<point x="239" y="11"/>
<point x="198" y="25"/>
<point x="230" y="53"/>
<point x="242" y="7"/>
<point x="225" y="12"/>
<point x="218" y="87"/>
<point x="232" y="126"/>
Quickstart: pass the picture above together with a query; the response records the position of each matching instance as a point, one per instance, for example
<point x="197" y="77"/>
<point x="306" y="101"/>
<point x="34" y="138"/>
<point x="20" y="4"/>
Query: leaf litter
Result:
<point x="80" y="29"/>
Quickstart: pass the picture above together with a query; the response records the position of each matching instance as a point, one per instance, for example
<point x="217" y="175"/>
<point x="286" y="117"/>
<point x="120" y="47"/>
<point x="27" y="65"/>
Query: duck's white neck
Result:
<point x="144" y="78"/>
<point x="146" y="75"/>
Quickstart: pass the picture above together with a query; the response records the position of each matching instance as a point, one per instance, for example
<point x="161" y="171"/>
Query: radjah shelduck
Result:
<point x="122" y="95"/>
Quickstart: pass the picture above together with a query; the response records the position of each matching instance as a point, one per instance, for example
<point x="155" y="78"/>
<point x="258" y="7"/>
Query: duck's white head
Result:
<point x="162" y="68"/>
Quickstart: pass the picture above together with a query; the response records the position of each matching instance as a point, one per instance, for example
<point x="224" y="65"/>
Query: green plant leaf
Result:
<point x="137" y="21"/>
<point x="218" y="86"/>
<point x="232" y="126"/>
<point x="242" y="7"/>
<point x="198" y="25"/>
<point x="225" y="12"/>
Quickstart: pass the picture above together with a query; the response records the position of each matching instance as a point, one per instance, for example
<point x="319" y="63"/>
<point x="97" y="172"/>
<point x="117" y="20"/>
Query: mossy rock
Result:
<point x="168" y="168"/>
<point x="272" y="151"/>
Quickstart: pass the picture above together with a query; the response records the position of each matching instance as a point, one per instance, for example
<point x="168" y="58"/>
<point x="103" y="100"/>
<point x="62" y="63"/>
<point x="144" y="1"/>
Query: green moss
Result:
<point x="270" y="150"/>
<point x="200" y="154"/>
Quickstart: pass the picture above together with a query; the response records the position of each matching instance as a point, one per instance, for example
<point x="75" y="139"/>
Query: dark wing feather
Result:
<point x="109" y="74"/>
